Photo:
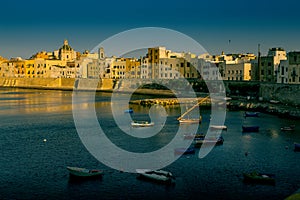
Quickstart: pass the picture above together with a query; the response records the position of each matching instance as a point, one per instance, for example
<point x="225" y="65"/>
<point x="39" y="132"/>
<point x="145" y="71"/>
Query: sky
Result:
<point x="232" y="26"/>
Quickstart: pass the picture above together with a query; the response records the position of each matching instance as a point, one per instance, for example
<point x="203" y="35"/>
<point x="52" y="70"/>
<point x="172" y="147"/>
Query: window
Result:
<point x="282" y="70"/>
<point x="262" y="72"/>
<point x="181" y="64"/>
<point x="269" y="72"/>
<point x="269" y="64"/>
<point x="188" y="64"/>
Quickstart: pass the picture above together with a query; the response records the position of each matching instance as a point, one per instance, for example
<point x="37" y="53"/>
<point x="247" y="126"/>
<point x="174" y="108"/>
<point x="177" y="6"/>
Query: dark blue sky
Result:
<point x="27" y="27"/>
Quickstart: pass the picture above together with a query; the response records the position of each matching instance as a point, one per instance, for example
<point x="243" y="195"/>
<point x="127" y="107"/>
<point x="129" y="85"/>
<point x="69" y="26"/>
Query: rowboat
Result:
<point x="251" y="114"/>
<point x="189" y="150"/>
<point x="83" y="172"/>
<point x="137" y="124"/>
<point x="155" y="175"/>
<point x="250" y="128"/>
<point x="259" y="178"/>
<point x="218" y="127"/>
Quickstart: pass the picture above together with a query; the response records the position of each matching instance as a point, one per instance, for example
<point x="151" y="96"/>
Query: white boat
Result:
<point x="190" y="121"/>
<point x="156" y="175"/>
<point x="83" y="172"/>
<point x="182" y="120"/>
<point x="142" y="124"/>
<point x="218" y="127"/>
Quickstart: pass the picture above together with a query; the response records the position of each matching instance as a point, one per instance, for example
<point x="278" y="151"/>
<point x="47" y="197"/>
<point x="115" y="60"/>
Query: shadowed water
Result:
<point x="34" y="169"/>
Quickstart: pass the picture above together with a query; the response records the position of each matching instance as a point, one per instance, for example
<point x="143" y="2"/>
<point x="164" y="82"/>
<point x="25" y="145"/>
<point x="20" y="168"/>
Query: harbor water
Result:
<point x="38" y="140"/>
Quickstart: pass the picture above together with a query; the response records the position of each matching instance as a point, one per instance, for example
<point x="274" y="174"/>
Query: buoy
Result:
<point x="45" y="140"/>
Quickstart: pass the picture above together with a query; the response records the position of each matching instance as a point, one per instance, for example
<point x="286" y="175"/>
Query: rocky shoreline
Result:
<point x="278" y="109"/>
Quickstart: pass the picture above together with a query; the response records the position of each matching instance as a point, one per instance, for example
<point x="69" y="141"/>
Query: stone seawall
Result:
<point x="58" y="83"/>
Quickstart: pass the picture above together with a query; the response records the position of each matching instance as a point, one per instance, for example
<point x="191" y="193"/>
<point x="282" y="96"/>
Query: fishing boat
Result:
<point x="83" y="172"/>
<point x="188" y="120"/>
<point x="250" y="129"/>
<point x="189" y="150"/>
<point x="259" y="178"/>
<point x="251" y="114"/>
<point x="137" y="124"/>
<point x="297" y="146"/>
<point x="200" y="141"/>
<point x="155" y="175"/>
<point x="288" y="128"/>
<point x="218" y="127"/>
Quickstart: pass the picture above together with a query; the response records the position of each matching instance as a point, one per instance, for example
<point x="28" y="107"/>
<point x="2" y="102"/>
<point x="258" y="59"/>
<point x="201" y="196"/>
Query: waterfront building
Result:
<point x="268" y="66"/>
<point x="294" y="67"/>
<point x="282" y="75"/>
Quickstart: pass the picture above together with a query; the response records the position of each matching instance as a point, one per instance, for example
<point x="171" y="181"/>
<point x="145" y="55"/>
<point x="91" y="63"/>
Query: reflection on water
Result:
<point x="34" y="169"/>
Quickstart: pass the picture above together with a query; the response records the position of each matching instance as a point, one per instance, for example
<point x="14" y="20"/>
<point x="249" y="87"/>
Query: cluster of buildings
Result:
<point x="158" y="63"/>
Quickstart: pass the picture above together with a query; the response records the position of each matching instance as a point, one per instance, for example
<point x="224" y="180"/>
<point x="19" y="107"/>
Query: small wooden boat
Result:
<point x="251" y="114"/>
<point x="83" y="172"/>
<point x="193" y="136"/>
<point x="297" y="146"/>
<point x="288" y="128"/>
<point x="200" y="141"/>
<point x="190" y="121"/>
<point x="218" y="127"/>
<point x="156" y="175"/>
<point x="189" y="150"/>
<point x="137" y="124"/>
<point x="250" y="129"/>
<point x="128" y="111"/>
<point x="259" y="178"/>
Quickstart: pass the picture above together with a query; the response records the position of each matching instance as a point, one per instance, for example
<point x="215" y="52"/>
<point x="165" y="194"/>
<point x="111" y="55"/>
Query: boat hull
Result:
<point x="82" y="172"/>
<point x="296" y="146"/>
<point x="155" y="175"/>
<point x="142" y="124"/>
<point x="259" y="178"/>
<point x="182" y="151"/>
<point x="250" y="129"/>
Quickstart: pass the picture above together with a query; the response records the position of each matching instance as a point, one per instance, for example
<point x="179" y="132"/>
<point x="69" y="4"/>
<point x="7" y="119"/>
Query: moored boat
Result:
<point x="200" y="141"/>
<point x="288" y="128"/>
<point x="218" y="127"/>
<point x="128" y="111"/>
<point x="156" y="175"/>
<point x="251" y="114"/>
<point x="297" y="146"/>
<point x="189" y="150"/>
<point x="137" y="124"/>
<point x="83" y="172"/>
<point x="190" y="120"/>
<point x="193" y="136"/>
<point x="259" y="178"/>
<point x="250" y="128"/>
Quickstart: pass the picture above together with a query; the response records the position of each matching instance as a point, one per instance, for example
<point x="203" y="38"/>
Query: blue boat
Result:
<point x="128" y="111"/>
<point x="251" y="114"/>
<point x="189" y="150"/>
<point x="250" y="128"/>
<point x="297" y="146"/>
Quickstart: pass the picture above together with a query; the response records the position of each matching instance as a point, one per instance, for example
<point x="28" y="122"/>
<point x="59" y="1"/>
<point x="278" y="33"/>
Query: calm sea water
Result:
<point x="33" y="169"/>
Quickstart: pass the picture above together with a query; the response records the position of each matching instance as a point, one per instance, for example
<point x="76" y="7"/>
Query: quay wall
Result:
<point x="285" y="94"/>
